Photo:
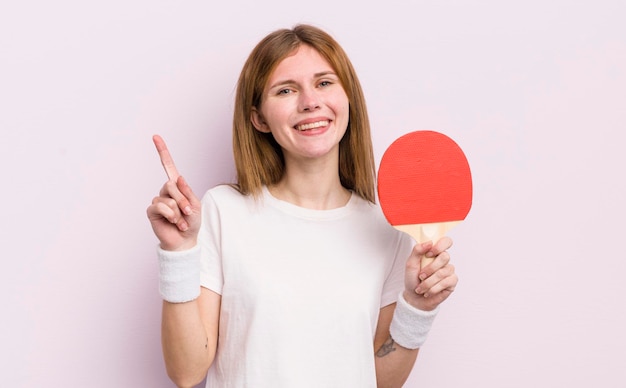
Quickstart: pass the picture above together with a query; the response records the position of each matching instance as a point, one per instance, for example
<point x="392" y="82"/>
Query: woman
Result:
<point x="290" y="277"/>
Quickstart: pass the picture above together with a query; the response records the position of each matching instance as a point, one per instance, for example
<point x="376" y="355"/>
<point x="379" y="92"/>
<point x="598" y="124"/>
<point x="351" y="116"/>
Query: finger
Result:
<point x="166" y="158"/>
<point x="446" y="285"/>
<point x="438" y="298"/>
<point x="435" y="278"/>
<point x="431" y="264"/>
<point x="413" y="264"/>
<point x="423" y="248"/>
<point x="443" y="244"/>
<point x="434" y="265"/>
<point x="167" y="208"/>
<point x="172" y="190"/>
<point x="190" y="197"/>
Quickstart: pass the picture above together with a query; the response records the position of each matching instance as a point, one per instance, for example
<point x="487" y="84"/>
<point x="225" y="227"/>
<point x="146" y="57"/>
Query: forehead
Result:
<point x="305" y="61"/>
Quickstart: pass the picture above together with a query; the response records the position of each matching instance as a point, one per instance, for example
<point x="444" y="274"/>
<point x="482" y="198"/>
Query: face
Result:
<point x="304" y="107"/>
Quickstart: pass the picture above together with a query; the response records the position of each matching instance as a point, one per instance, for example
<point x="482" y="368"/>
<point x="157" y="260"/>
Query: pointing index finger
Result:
<point x="166" y="158"/>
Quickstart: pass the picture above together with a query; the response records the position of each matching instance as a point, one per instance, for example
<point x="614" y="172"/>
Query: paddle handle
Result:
<point x="427" y="232"/>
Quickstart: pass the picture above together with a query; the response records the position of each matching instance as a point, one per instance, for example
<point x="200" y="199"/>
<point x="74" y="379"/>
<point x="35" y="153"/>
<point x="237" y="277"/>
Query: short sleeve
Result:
<point x="395" y="280"/>
<point x="209" y="239"/>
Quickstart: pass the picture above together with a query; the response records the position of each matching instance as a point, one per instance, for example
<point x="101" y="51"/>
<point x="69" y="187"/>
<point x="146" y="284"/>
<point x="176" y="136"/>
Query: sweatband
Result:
<point x="179" y="274"/>
<point x="409" y="325"/>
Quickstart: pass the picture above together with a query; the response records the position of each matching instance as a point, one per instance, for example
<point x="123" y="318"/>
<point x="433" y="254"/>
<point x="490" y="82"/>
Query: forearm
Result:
<point x="393" y="364"/>
<point x="190" y="317"/>
<point x="399" y="323"/>
<point x="188" y="347"/>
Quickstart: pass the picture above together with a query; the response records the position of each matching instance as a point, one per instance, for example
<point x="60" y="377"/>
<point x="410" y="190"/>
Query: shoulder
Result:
<point x="229" y="202"/>
<point x="223" y="193"/>
<point x="371" y="219"/>
<point x="370" y="210"/>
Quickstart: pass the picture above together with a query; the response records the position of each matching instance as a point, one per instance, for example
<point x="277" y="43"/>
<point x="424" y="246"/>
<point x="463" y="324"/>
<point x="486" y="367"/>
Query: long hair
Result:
<point x="259" y="159"/>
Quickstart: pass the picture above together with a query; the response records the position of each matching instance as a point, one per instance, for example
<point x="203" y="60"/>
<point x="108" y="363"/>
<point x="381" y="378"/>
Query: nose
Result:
<point x="309" y="100"/>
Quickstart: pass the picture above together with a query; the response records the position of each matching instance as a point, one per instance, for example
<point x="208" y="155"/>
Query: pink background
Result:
<point x="534" y="92"/>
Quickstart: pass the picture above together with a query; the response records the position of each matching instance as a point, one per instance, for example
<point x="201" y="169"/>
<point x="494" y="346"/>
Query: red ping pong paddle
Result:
<point x="424" y="185"/>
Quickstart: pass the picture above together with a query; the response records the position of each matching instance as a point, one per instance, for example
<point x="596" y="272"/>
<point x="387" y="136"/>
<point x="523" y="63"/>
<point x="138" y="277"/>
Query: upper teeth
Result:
<point x="318" y="124"/>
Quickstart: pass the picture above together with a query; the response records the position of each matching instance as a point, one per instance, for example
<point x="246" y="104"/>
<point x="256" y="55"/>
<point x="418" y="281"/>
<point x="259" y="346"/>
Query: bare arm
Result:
<point x="393" y="362"/>
<point x="189" y="337"/>
<point x="189" y="330"/>
<point x="425" y="289"/>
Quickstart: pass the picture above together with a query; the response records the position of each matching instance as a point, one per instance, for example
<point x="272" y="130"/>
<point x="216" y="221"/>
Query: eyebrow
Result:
<point x="290" y="81"/>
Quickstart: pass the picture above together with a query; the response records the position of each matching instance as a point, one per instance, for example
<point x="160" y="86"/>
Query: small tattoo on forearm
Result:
<point x="386" y="348"/>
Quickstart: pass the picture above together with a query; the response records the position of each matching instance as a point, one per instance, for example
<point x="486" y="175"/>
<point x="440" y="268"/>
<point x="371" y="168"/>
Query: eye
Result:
<point x="325" y="83"/>
<point x="284" y="91"/>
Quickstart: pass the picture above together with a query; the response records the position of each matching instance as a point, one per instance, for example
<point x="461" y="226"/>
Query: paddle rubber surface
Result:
<point x="424" y="178"/>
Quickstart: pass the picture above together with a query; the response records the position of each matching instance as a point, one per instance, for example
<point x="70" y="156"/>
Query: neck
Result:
<point x="314" y="185"/>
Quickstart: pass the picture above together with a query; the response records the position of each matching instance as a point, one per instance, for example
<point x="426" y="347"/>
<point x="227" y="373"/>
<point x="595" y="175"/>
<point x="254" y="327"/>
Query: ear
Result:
<point x="258" y="122"/>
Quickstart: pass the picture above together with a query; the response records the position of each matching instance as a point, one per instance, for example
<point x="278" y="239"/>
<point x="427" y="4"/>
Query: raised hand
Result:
<point x="427" y="287"/>
<point x="175" y="213"/>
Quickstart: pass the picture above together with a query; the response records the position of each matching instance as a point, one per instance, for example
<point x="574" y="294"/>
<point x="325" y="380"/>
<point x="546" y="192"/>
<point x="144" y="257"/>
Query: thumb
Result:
<point x="186" y="190"/>
<point x="419" y="253"/>
<point x="422" y="248"/>
<point x="414" y="264"/>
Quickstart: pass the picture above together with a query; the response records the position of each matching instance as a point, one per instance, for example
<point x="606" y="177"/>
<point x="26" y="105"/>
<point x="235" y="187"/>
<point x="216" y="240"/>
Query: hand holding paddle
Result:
<point x="425" y="189"/>
<point x="175" y="213"/>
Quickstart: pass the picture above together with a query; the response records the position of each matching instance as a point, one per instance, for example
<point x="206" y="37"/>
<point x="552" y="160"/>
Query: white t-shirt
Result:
<point x="301" y="289"/>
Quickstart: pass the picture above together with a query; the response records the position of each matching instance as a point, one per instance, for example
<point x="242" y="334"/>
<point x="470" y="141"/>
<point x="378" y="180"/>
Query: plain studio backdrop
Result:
<point x="534" y="92"/>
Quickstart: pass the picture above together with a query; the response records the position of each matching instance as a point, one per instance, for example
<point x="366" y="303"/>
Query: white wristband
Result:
<point x="409" y="325"/>
<point x="179" y="274"/>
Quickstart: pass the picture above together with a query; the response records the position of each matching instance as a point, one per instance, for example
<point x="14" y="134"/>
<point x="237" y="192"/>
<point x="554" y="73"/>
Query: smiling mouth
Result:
<point x="317" y="124"/>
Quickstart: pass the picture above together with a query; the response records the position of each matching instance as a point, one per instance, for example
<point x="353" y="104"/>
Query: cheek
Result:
<point x="343" y="104"/>
<point x="343" y="110"/>
<point x="276" y="113"/>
